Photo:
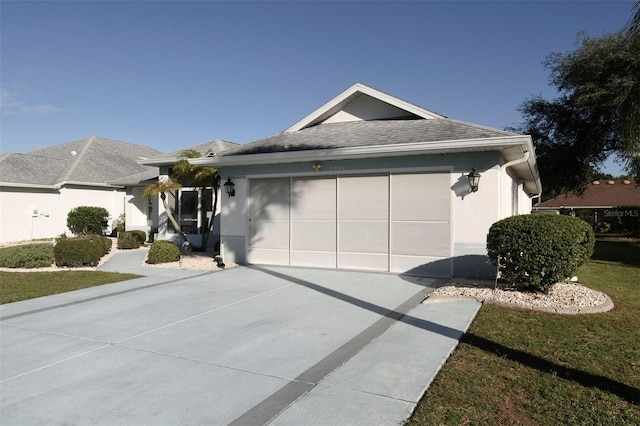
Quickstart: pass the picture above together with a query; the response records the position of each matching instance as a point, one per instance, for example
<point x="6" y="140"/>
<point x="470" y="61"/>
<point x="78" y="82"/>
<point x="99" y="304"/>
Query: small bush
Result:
<point x="128" y="240"/>
<point x="163" y="252"/>
<point x="87" y="220"/>
<point x="140" y="235"/>
<point x="27" y="256"/>
<point x="105" y="243"/>
<point x="539" y="250"/>
<point x="121" y="224"/>
<point x="80" y="251"/>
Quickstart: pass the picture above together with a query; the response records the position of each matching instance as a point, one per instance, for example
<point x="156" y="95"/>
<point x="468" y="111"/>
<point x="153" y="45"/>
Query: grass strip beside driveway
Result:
<point x="532" y="368"/>
<point x="16" y="286"/>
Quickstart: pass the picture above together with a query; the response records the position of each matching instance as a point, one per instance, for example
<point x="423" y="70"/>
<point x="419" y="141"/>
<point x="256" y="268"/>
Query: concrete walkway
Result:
<point x="245" y="346"/>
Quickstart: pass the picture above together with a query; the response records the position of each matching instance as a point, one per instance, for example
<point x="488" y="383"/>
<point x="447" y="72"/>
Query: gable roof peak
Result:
<point x="361" y="102"/>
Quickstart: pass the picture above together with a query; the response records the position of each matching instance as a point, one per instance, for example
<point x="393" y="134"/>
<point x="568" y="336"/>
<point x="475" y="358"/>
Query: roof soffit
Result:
<point x="355" y="94"/>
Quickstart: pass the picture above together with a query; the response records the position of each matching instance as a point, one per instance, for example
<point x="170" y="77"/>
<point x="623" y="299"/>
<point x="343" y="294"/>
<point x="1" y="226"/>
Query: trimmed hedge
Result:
<point x="131" y="239"/>
<point x="163" y="252"/>
<point x="27" y="256"/>
<point x="128" y="240"/>
<point x="140" y="235"/>
<point x="85" y="250"/>
<point x="538" y="250"/>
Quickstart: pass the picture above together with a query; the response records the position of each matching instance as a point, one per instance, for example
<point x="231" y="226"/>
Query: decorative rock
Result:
<point x="563" y="298"/>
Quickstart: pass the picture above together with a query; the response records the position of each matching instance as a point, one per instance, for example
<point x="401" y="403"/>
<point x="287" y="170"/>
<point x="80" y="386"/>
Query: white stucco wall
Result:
<point x="136" y="211"/>
<point x="18" y="222"/>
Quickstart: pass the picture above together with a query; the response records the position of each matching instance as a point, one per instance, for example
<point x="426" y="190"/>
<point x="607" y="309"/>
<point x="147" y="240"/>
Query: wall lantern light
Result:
<point x="230" y="188"/>
<point x="474" y="179"/>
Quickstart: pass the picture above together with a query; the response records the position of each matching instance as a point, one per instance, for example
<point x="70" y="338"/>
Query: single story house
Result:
<point x="38" y="189"/>
<point x="184" y="202"/>
<point x="371" y="182"/>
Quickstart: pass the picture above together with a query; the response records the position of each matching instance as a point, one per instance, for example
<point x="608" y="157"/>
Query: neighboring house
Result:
<point x="600" y="194"/>
<point x="38" y="189"/>
<point x="608" y="205"/>
<point x="371" y="182"/>
<point x="184" y="203"/>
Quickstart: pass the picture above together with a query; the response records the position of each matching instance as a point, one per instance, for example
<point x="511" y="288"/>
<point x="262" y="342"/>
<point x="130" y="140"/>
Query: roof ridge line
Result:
<point x="75" y="164"/>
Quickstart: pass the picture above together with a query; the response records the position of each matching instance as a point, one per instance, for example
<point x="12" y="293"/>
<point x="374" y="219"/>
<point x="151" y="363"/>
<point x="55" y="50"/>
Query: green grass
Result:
<point x="529" y="368"/>
<point x="16" y="286"/>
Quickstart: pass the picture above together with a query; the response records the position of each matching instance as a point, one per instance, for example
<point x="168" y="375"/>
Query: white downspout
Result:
<point x="504" y="167"/>
<point x="517" y="160"/>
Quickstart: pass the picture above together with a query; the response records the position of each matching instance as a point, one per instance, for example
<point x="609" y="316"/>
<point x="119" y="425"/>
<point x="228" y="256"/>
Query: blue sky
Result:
<point x="174" y="74"/>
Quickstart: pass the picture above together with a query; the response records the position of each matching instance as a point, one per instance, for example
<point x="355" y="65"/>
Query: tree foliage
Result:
<point x="595" y="114"/>
<point x="185" y="174"/>
<point x="161" y="188"/>
<point x="87" y="220"/>
<point x="200" y="177"/>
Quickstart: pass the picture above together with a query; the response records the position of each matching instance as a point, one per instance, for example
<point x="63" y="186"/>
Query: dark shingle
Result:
<point x="368" y="133"/>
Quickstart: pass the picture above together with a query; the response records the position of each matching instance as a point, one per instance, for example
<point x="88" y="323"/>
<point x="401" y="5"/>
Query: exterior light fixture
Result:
<point x="474" y="179"/>
<point x="230" y="188"/>
<point x="317" y="167"/>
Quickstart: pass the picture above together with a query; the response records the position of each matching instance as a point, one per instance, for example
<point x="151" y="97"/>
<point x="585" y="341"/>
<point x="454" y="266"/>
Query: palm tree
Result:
<point x="162" y="187"/>
<point x="200" y="177"/>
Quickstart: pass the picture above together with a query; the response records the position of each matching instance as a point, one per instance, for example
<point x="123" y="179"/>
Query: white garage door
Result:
<point x="397" y="222"/>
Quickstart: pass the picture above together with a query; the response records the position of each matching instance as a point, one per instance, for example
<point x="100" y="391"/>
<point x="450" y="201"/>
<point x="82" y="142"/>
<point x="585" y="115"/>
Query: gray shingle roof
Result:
<point x="89" y="160"/>
<point x="215" y="146"/>
<point x="368" y="133"/>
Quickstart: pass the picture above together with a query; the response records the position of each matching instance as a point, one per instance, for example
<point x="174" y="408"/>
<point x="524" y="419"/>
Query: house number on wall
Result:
<point x="337" y="167"/>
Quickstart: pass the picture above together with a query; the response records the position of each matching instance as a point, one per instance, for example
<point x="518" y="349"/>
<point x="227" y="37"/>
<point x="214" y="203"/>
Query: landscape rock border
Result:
<point x="563" y="298"/>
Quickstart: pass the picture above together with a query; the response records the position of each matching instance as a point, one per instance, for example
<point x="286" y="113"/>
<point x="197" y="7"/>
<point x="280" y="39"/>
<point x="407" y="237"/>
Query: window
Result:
<point x="185" y="206"/>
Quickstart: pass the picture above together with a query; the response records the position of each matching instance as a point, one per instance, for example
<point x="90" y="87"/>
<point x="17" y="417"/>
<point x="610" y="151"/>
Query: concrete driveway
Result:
<point x="246" y="346"/>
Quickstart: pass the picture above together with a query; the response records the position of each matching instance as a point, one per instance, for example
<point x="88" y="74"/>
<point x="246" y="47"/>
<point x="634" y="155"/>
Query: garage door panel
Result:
<point x="268" y="256"/>
<point x="314" y="235"/>
<point x="424" y="265"/>
<point x="420" y="239"/>
<point x="313" y="258"/>
<point x="364" y="237"/>
<point x="365" y="261"/>
<point x="364" y="198"/>
<point x="423" y="196"/>
<point x="270" y="234"/>
<point x="270" y="199"/>
<point x="314" y="198"/>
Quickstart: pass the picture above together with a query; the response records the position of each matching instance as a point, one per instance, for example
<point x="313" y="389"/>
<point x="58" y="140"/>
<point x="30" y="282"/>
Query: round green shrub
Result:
<point x="163" y="252"/>
<point x="140" y="235"/>
<point x="128" y="240"/>
<point x="79" y="251"/>
<point x="87" y="220"/>
<point x="538" y="250"/>
<point x="27" y="256"/>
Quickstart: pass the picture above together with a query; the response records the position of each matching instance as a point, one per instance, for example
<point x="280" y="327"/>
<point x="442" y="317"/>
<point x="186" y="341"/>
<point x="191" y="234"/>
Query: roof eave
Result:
<point x="94" y="184"/>
<point x="26" y="185"/>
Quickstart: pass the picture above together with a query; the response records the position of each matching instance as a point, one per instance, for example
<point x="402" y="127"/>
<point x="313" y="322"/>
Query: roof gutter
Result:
<point x="525" y="159"/>
<point x="26" y="185"/>
<point x="327" y="154"/>
<point x="99" y="185"/>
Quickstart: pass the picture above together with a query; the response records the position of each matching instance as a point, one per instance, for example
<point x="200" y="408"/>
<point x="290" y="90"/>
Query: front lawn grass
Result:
<point x="16" y="286"/>
<point x="529" y="368"/>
